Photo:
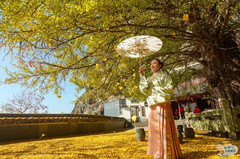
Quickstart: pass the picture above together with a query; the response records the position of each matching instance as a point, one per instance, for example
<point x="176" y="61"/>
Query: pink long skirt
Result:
<point x="162" y="134"/>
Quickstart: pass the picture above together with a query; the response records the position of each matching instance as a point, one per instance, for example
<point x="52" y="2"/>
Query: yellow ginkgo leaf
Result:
<point x="133" y="81"/>
<point x="173" y="34"/>
<point x="120" y="87"/>
<point x="124" y="149"/>
<point x="97" y="66"/>
<point x="134" y="118"/>
<point x="82" y="82"/>
<point x="105" y="59"/>
<point x="51" y="79"/>
<point x="185" y="17"/>
<point x="42" y="136"/>
<point x="117" y="55"/>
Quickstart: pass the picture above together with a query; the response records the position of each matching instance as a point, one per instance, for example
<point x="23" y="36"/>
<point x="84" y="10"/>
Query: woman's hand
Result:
<point x="141" y="71"/>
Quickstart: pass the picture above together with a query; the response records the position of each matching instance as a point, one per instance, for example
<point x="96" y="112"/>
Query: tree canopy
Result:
<point x="54" y="40"/>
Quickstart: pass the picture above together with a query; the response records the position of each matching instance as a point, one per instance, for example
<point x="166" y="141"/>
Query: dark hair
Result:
<point x="159" y="62"/>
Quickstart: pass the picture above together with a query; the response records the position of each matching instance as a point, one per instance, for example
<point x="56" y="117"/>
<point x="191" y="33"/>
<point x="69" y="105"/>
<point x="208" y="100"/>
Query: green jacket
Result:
<point x="158" y="88"/>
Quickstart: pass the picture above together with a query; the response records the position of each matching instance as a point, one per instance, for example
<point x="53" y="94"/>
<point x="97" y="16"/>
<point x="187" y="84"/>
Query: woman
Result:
<point x="162" y="136"/>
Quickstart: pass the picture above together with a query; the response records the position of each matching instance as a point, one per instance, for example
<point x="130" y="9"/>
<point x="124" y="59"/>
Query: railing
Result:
<point x="214" y="117"/>
<point x="7" y="119"/>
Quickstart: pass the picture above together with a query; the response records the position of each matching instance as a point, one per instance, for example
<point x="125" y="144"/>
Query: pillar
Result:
<point x="179" y="112"/>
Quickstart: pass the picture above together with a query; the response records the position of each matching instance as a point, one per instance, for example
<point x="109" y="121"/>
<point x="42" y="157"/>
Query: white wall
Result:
<point x="125" y="113"/>
<point x="126" y="110"/>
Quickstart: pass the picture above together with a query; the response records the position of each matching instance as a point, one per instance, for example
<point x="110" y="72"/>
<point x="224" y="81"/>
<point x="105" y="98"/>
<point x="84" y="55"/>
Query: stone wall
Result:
<point x="31" y="131"/>
<point x="29" y="126"/>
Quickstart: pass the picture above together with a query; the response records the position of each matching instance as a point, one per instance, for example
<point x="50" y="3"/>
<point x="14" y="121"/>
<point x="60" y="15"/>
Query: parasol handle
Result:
<point x="140" y="62"/>
<point x="140" y="59"/>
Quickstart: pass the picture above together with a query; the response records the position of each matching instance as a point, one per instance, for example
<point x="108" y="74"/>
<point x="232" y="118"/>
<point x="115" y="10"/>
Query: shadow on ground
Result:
<point x="198" y="154"/>
<point x="55" y="137"/>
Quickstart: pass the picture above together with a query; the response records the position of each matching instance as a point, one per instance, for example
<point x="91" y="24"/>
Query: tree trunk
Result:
<point x="224" y="72"/>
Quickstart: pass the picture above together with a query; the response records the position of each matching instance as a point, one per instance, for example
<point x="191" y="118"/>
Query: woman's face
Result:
<point x="155" y="66"/>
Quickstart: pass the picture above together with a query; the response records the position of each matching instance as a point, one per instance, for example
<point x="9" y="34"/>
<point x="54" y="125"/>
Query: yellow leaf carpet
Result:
<point x="111" y="145"/>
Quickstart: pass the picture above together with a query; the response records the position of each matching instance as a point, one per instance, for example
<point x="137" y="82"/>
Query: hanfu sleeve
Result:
<point x="145" y="87"/>
<point x="167" y="86"/>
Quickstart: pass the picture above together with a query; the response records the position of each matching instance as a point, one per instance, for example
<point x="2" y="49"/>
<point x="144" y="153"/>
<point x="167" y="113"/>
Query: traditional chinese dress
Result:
<point x="162" y="135"/>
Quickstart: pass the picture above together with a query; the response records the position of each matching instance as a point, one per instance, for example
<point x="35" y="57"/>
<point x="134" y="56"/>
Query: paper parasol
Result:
<point x="139" y="46"/>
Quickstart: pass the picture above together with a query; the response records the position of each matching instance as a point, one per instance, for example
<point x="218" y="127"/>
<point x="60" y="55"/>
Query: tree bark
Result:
<point x="224" y="71"/>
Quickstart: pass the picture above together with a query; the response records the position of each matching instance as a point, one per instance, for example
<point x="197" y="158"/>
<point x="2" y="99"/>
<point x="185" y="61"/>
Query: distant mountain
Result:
<point x="92" y="106"/>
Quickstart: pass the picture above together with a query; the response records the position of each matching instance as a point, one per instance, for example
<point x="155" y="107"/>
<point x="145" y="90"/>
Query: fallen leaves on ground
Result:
<point x="111" y="145"/>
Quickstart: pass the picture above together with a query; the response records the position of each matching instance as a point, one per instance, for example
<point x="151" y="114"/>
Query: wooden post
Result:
<point x="179" y="111"/>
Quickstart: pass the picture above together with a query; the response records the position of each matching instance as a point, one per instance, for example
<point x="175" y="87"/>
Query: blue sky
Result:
<point x="55" y="104"/>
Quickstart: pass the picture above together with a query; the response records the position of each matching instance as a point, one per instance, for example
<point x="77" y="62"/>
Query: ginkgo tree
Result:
<point x="54" y="40"/>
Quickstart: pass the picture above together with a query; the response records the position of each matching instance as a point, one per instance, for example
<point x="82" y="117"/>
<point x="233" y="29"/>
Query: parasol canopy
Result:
<point x="139" y="46"/>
